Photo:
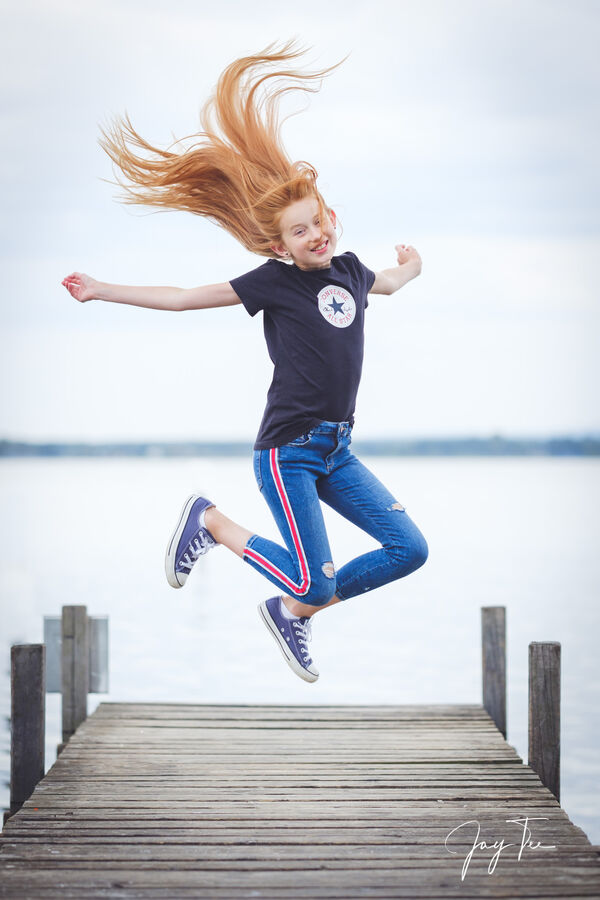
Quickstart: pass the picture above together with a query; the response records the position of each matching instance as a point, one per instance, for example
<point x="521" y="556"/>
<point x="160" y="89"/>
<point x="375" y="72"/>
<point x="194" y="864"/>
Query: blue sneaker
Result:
<point x="190" y="540"/>
<point x="292" y="635"/>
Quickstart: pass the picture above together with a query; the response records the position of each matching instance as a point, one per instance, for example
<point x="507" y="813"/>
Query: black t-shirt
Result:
<point x="313" y="323"/>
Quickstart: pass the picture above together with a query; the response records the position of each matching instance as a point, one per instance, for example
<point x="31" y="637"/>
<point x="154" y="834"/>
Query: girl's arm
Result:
<point x="208" y="296"/>
<point x="390" y="280"/>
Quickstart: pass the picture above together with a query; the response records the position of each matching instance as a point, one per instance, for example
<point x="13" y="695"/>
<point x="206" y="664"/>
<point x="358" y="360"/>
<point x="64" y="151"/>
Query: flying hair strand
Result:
<point x="235" y="172"/>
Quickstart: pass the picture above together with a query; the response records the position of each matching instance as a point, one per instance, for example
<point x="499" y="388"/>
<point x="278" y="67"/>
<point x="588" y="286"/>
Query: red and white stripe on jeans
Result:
<point x="304" y="586"/>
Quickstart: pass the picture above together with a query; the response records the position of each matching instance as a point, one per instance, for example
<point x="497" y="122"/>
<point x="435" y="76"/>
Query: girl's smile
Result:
<point x="304" y="240"/>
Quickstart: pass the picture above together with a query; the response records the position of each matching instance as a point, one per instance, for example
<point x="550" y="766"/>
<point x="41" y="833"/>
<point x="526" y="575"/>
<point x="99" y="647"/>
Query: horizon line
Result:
<point x="474" y="445"/>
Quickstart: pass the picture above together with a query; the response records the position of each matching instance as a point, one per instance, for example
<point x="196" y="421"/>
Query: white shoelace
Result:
<point x="198" y="546"/>
<point x="303" y="634"/>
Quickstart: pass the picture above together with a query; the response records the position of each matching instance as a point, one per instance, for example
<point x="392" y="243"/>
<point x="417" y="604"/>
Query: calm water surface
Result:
<point x="522" y="533"/>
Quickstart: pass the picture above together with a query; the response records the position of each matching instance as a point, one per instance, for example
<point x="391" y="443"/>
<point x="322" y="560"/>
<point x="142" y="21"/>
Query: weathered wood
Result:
<point x="260" y="802"/>
<point x="27" y="721"/>
<point x="493" y="657"/>
<point x="75" y="668"/>
<point x="544" y="713"/>
<point x="303" y="882"/>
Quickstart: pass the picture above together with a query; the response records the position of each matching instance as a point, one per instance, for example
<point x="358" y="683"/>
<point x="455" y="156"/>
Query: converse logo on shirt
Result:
<point x="337" y="305"/>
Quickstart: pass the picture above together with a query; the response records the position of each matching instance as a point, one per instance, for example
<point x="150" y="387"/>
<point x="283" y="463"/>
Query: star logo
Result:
<point x="337" y="305"/>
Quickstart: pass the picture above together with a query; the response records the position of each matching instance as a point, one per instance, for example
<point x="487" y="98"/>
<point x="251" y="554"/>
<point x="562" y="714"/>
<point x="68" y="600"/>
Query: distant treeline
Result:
<point x="469" y="446"/>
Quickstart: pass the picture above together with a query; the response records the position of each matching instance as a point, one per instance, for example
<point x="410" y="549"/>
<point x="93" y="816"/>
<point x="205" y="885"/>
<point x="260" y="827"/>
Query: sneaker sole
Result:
<point x="287" y="654"/>
<point x="172" y="545"/>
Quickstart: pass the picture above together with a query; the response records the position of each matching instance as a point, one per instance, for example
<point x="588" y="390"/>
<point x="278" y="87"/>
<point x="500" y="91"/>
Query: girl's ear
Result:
<point x="332" y="216"/>
<point x="279" y="249"/>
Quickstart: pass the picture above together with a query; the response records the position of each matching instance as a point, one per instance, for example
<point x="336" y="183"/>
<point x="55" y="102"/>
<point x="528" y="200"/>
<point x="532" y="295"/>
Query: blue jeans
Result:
<point x="319" y="465"/>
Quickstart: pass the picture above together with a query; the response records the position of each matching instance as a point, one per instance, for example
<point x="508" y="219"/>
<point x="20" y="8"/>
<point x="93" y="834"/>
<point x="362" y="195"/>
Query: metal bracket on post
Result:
<point x="77" y="662"/>
<point x="98" y="644"/>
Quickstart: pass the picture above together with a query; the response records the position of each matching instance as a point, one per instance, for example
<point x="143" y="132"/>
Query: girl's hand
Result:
<point x="390" y="280"/>
<point x="407" y="253"/>
<point x="81" y="286"/>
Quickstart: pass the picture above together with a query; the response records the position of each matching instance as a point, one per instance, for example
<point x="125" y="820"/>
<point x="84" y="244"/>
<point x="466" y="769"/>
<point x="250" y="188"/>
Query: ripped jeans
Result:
<point x="319" y="465"/>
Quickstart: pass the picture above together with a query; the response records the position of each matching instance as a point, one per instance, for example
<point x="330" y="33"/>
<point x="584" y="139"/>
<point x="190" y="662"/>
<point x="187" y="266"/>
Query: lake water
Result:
<point x="519" y="532"/>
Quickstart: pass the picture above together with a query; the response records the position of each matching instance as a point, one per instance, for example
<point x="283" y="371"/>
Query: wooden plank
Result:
<point x="358" y="832"/>
<point x="345" y="880"/>
<point x="393" y="842"/>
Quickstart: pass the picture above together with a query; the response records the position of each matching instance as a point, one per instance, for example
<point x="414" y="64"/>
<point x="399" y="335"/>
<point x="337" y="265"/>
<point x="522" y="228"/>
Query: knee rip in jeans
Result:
<point x="397" y="506"/>
<point x="328" y="570"/>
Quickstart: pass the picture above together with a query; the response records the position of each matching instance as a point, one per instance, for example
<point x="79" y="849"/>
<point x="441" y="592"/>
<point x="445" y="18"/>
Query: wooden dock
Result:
<point x="185" y="801"/>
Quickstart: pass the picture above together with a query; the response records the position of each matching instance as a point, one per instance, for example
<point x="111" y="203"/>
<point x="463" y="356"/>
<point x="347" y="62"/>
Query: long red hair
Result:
<point x="236" y="172"/>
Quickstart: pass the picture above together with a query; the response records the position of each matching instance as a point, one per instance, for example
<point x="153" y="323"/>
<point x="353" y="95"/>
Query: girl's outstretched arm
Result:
<point x="390" y="280"/>
<point x="83" y="288"/>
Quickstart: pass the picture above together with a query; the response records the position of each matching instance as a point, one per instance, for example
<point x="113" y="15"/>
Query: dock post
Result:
<point x="544" y="713"/>
<point x="75" y="669"/>
<point x="27" y="721"/>
<point x="493" y="654"/>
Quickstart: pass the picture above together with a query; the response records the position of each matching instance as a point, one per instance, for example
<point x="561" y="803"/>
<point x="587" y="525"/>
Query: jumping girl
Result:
<point x="238" y="174"/>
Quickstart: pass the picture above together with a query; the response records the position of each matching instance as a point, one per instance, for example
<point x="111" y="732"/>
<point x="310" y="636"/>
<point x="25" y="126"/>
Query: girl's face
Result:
<point x="304" y="239"/>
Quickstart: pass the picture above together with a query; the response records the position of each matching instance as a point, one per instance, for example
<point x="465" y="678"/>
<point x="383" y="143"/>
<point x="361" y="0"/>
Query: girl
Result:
<point x="239" y="175"/>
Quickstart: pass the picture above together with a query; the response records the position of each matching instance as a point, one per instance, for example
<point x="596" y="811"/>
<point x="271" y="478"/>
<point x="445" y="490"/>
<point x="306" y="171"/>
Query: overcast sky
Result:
<point x="468" y="128"/>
